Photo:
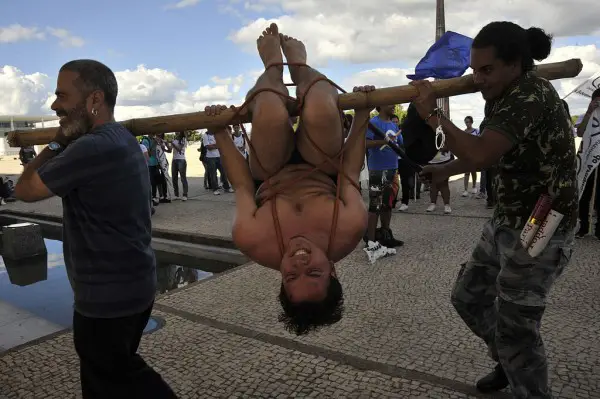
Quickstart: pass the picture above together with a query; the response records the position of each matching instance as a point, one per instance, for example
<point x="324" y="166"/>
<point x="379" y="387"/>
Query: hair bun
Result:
<point x="540" y="43"/>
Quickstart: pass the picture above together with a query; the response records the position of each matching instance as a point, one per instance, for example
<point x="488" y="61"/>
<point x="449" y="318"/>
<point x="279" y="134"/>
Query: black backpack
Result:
<point x="419" y="137"/>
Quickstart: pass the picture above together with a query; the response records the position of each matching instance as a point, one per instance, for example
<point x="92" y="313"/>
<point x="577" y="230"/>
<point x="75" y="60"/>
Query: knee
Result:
<point x="459" y="296"/>
<point x="374" y="206"/>
<point x="270" y="112"/>
<point x="321" y="109"/>
<point x="387" y="198"/>
<point x="457" y="299"/>
<point x="517" y="319"/>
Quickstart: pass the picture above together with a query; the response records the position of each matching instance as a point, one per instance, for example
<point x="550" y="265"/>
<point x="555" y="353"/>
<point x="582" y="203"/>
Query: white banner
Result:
<point x="588" y="155"/>
<point x="587" y="88"/>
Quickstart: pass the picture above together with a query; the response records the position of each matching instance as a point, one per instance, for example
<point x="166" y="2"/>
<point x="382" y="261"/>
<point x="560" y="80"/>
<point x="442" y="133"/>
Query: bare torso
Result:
<point x="305" y="203"/>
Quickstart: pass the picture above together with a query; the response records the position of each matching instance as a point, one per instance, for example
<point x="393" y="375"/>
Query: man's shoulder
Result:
<point x="112" y="127"/>
<point x="530" y="88"/>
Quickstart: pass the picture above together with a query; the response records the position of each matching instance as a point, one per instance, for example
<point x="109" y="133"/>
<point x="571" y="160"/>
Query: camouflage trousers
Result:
<point x="500" y="293"/>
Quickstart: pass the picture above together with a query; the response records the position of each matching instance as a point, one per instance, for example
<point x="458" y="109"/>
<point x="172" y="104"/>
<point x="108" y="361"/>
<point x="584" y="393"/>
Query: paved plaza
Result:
<point x="399" y="338"/>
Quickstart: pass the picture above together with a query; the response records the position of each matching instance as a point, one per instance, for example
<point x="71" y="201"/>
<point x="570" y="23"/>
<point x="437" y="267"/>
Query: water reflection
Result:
<point x="40" y="284"/>
<point x="170" y="277"/>
<point x="27" y="271"/>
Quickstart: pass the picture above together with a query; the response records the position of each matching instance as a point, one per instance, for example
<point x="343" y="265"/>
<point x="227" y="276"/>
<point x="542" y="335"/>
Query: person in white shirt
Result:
<point x="442" y="157"/>
<point x="147" y="157"/>
<point x="240" y="141"/>
<point x="213" y="161"/>
<point x="145" y="152"/>
<point x="166" y="183"/>
<point x="179" y="165"/>
<point x="471" y="130"/>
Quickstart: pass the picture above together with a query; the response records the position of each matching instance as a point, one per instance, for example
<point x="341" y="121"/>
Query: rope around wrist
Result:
<point x="434" y="112"/>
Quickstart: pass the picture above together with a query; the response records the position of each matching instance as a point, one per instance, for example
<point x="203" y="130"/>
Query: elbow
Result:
<point x="479" y="161"/>
<point x="21" y="193"/>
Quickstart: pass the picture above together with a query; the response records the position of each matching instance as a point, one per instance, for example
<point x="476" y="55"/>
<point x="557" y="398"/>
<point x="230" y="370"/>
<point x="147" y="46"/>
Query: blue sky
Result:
<point x="191" y="42"/>
<point x="357" y="45"/>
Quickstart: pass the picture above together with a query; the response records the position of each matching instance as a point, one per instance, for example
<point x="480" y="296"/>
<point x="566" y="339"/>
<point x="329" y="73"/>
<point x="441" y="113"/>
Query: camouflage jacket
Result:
<point x="542" y="160"/>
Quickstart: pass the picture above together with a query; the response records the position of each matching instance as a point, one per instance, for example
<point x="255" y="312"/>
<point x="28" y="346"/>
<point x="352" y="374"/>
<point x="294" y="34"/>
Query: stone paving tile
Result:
<point x="203" y="362"/>
<point x="398" y="310"/>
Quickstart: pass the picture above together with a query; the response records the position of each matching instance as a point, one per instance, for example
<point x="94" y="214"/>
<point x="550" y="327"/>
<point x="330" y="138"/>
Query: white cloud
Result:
<point x="66" y="38"/>
<point x="400" y="30"/>
<point x="183" y="4"/>
<point x="143" y="92"/>
<point x="147" y="87"/>
<point x="16" y="33"/>
<point x="21" y="93"/>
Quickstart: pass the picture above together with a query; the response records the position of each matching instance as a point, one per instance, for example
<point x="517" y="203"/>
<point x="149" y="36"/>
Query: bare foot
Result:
<point x="268" y="45"/>
<point x="295" y="53"/>
<point x="269" y="49"/>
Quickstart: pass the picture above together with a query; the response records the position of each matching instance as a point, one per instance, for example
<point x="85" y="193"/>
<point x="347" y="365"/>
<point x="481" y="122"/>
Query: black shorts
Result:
<point x="295" y="159"/>
<point x="382" y="194"/>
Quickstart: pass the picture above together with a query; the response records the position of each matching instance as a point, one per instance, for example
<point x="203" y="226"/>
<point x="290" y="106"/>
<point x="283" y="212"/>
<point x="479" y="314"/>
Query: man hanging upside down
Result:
<point x="298" y="206"/>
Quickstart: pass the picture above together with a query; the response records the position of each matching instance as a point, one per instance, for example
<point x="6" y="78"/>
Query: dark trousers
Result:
<point x="585" y="203"/>
<point x="490" y="175"/>
<point x="407" y="180"/>
<point x="162" y="183"/>
<point x="206" y="174"/>
<point x="482" y="183"/>
<point x="179" y="167"/>
<point x="109" y="364"/>
<point x="155" y="179"/>
<point x="214" y="165"/>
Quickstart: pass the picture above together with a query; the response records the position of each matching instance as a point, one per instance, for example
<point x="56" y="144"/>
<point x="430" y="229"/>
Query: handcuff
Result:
<point x="440" y="136"/>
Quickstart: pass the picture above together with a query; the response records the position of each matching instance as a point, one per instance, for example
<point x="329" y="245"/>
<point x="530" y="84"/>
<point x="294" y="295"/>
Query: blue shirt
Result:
<point x="386" y="158"/>
<point x="104" y="183"/>
<point x="151" y="146"/>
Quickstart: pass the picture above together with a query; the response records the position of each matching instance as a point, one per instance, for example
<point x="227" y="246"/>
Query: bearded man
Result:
<point x="95" y="165"/>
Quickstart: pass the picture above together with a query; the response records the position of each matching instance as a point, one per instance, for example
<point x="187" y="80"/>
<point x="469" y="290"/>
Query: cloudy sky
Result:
<point x="175" y="56"/>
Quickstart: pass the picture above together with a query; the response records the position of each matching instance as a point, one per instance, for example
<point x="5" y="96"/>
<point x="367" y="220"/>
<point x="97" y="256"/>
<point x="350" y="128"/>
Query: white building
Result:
<point x="18" y="122"/>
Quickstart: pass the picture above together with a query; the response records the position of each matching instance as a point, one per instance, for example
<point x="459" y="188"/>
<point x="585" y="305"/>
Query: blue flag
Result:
<point x="449" y="57"/>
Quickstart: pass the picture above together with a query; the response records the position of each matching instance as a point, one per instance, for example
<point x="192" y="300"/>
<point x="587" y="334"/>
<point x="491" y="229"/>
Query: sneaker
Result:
<point x="403" y="208"/>
<point x="480" y="195"/>
<point x="176" y="198"/>
<point x="230" y="190"/>
<point x="430" y="208"/>
<point x="2" y="202"/>
<point x="465" y="194"/>
<point x="581" y="233"/>
<point x="165" y="201"/>
<point x="184" y="198"/>
<point x="375" y="250"/>
<point x="387" y="239"/>
<point x="494" y="381"/>
<point x="447" y="209"/>
<point x="217" y="192"/>
<point x="155" y="201"/>
<point x="474" y="190"/>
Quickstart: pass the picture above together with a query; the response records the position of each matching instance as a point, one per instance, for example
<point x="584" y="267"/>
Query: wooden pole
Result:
<point x="379" y="97"/>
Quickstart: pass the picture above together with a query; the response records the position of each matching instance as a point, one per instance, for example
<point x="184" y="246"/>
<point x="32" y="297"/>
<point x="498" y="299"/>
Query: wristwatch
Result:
<point x="56" y="147"/>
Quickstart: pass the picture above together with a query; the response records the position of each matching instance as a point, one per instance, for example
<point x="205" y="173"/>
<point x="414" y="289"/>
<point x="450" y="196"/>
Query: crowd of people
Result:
<point x="164" y="181"/>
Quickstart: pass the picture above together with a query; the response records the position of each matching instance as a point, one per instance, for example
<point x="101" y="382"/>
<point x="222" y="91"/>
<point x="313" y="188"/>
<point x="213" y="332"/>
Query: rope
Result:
<point x="274" y="191"/>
